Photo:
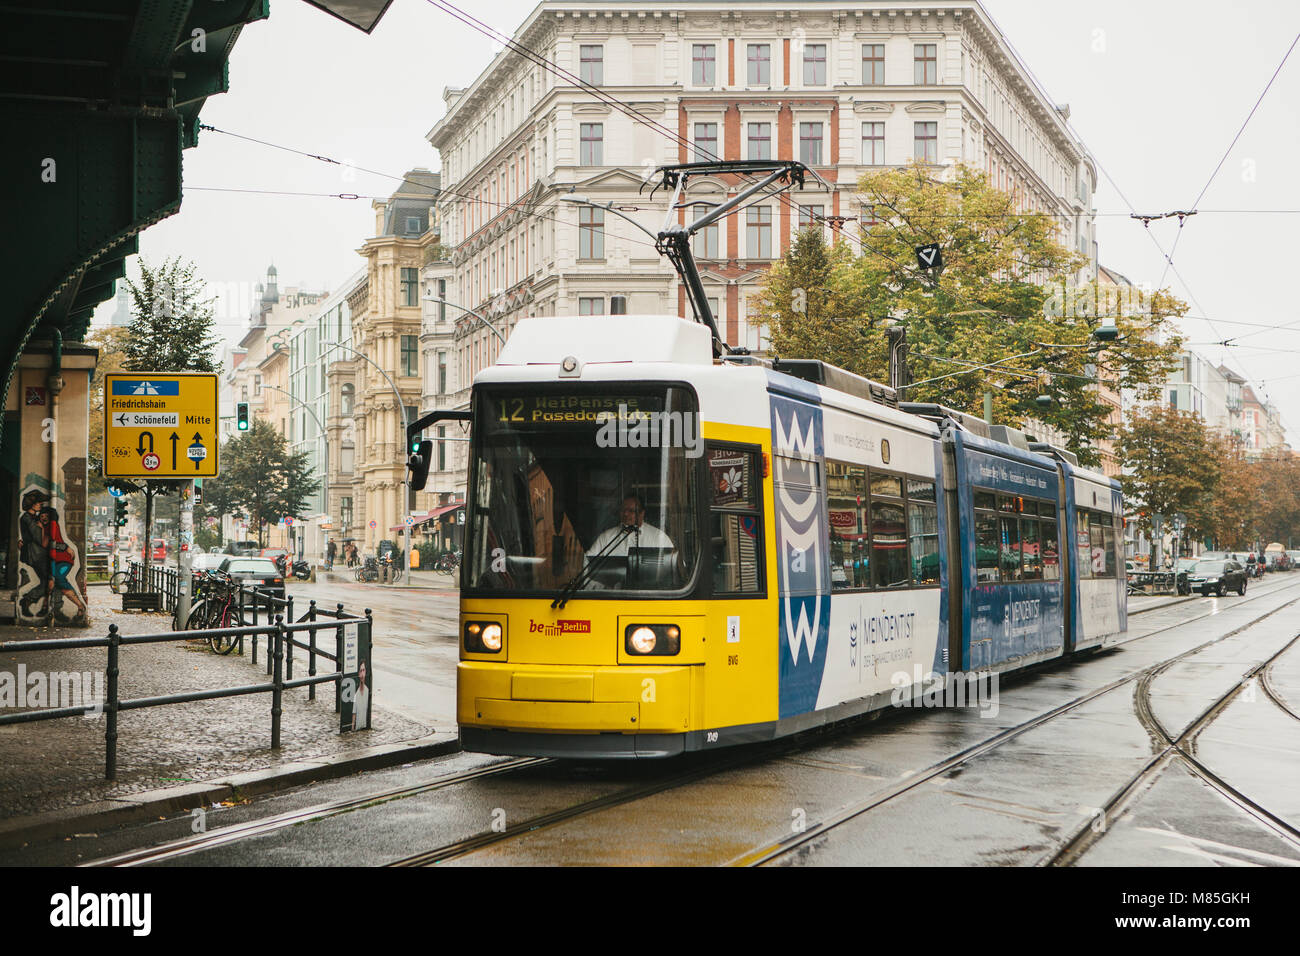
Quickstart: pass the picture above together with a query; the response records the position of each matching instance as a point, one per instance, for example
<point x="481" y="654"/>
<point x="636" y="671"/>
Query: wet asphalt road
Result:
<point x="1014" y="803"/>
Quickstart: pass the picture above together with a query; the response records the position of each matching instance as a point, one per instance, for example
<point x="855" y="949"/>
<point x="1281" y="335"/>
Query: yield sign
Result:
<point x="929" y="256"/>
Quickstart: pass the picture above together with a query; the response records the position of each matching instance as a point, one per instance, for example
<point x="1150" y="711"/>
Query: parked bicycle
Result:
<point x="216" y="606"/>
<point x="369" y="571"/>
<point x="448" y="563"/>
<point x="120" y="582"/>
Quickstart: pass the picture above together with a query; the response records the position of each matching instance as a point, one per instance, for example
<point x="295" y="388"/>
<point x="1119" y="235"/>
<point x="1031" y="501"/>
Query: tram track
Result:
<point x="813" y="831"/>
<point x="1177" y="750"/>
<point x="256" y="828"/>
<point x="750" y="755"/>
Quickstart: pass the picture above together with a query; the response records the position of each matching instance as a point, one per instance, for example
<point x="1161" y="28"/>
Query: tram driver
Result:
<point x="642" y="551"/>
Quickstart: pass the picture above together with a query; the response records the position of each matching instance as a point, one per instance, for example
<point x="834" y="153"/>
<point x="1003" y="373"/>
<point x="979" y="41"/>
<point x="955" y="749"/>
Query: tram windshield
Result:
<point x="579" y="489"/>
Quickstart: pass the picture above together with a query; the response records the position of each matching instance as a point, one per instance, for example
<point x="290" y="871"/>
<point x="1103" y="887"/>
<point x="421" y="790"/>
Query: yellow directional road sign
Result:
<point x="160" y="425"/>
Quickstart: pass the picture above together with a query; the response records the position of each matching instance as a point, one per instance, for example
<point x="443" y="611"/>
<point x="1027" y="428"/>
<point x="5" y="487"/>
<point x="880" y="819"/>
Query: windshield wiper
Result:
<point x="590" y="569"/>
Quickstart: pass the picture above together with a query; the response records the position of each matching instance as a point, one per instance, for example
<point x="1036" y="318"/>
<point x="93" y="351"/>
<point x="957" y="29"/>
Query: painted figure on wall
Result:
<point x="47" y="560"/>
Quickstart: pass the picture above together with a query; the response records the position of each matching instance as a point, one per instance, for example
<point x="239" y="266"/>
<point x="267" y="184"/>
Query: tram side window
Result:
<point x="1051" y="550"/>
<point x="1083" y="546"/>
<point x="987" y="548"/>
<point x="735" y="528"/>
<point x="1031" y="548"/>
<point x="888" y="544"/>
<point x="1097" y="537"/>
<point x="1010" y="545"/>
<point x="923" y="533"/>
<point x="846" y="495"/>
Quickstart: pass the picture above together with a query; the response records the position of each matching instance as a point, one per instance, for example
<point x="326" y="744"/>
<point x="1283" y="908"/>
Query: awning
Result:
<point x="420" y="519"/>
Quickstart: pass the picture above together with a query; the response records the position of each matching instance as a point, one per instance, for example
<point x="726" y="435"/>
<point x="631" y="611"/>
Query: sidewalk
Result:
<point x="179" y="755"/>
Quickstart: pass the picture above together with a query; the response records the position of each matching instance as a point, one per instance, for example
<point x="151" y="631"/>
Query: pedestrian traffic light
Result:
<point x="119" y="513"/>
<point x="421" y="455"/>
<point x="241" y="416"/>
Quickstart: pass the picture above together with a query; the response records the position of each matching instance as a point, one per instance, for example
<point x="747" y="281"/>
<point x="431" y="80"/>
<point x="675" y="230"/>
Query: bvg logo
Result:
<point x="559" y="628"/>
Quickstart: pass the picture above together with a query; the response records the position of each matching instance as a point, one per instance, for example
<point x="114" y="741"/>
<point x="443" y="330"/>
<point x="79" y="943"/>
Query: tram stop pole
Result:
<point x="185" y="560"/>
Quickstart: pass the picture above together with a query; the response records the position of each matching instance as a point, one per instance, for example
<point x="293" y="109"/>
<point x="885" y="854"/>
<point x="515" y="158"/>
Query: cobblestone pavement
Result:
<point x="56" y="764"/>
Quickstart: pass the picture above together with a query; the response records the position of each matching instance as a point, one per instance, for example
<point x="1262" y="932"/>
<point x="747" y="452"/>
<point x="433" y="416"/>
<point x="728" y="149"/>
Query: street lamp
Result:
<point x="325" y="470"/>
<point x="406" y="481"/>
<point x="492" y="328"/>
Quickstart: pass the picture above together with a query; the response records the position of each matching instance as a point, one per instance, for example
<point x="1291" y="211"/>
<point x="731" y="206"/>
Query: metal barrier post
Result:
<point x="311" y="650"/>
<point x="338" y="663"/>
<point x="110" y="707"/>
<point x="277" y="683"/>
<point x="257" y="599"/>
<point x="288" y="647"/>
<point x="241" y="617"/>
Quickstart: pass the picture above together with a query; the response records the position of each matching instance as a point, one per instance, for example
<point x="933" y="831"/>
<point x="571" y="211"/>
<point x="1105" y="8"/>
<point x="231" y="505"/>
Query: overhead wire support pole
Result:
<point x="325" y="472"/>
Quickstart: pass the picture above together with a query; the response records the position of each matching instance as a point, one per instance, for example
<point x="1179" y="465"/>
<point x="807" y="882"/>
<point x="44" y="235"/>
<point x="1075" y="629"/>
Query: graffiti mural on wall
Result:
<point x="50" y="574"/>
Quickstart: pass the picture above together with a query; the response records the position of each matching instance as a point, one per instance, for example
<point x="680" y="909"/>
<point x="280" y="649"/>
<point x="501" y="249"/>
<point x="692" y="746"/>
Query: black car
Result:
<point x="1217" y="576"/>
<point x="259" y="572"/>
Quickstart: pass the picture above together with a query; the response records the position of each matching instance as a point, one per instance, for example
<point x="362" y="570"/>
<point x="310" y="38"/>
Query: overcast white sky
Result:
<point x="1157" y="90"/>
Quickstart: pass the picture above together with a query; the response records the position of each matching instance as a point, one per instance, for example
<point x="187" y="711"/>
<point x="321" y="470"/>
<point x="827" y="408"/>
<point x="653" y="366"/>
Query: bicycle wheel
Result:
<point x="120" y="582"/>
<point x="198" y="619"/>
<point x="225" y="643"/>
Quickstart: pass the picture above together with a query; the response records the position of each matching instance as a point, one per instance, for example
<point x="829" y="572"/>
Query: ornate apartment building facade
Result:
<point x="842" y="87"/>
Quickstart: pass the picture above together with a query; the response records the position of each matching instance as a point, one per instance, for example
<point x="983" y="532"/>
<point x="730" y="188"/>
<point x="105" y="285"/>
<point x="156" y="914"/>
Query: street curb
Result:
<point x="104" y="814"/>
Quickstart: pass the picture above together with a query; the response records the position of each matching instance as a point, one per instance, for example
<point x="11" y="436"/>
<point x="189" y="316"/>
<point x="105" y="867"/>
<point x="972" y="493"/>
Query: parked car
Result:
<point x="279" y="556"/>
<point x="159" y="550"/>
<point x="1217" y="577"/>
<point x="259" y="572"/>
<point x="243" y="549"/>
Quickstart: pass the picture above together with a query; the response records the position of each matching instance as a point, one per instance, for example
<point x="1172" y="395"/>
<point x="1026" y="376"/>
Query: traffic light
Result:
<point x="421" y="456"/>
<point x="241" y="416"/>
<point x="119" y="512"/>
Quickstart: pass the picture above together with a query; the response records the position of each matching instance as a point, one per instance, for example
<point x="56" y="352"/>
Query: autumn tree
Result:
<point x="994" y="319"/>
<point x="1172" y="466"/>
<point x="1230" y="514"/>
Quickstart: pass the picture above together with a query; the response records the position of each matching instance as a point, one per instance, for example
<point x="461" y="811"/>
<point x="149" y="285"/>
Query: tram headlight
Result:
<point x="484" y="637"/>
<point x="660" y="640"/>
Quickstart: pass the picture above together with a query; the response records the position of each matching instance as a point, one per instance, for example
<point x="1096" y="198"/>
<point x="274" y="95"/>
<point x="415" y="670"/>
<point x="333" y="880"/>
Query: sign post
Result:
<point x="163" y="425"/>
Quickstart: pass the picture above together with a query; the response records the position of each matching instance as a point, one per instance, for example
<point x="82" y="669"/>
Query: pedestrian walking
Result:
<point x="330" y="550"/>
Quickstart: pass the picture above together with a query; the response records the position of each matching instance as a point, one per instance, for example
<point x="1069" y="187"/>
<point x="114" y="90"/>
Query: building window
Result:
<point x="591" y="233"/>
<point x="810" y="144"/>
<point x="873" y="144"/>
<point x="760" y="141"/>
<point x="410" y="353"/>
<point x="591" y="150"/>
<point x="706" y="142"/>
<point x="413" y="226"/>
<point x="925" y="64"/>
<point x="758" y="232"/>
<point x="345" y="508"/>
<point x="759" y="64"/>
<point x="410" y="287"/>
<point x="927" y="142"/>
<point x="814" y="64"/>
<point x="591" y="63"/>
<point x="345" y="400"/>
<point x="811" y="216"/>
<point x="442" y="373"/>
<point x="706" y="242"/>
<point x="590" y="305"/>
<point x="442" y="448"/>
<point x="703" y="64"/>
<point x="873" y="64"/>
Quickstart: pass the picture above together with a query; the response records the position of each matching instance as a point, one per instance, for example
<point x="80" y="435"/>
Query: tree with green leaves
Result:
<point x="261" y="479"/>
<point x="996" y="318"/>
<point x="172" y="323"/>
<point x="1173" y="468"/>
